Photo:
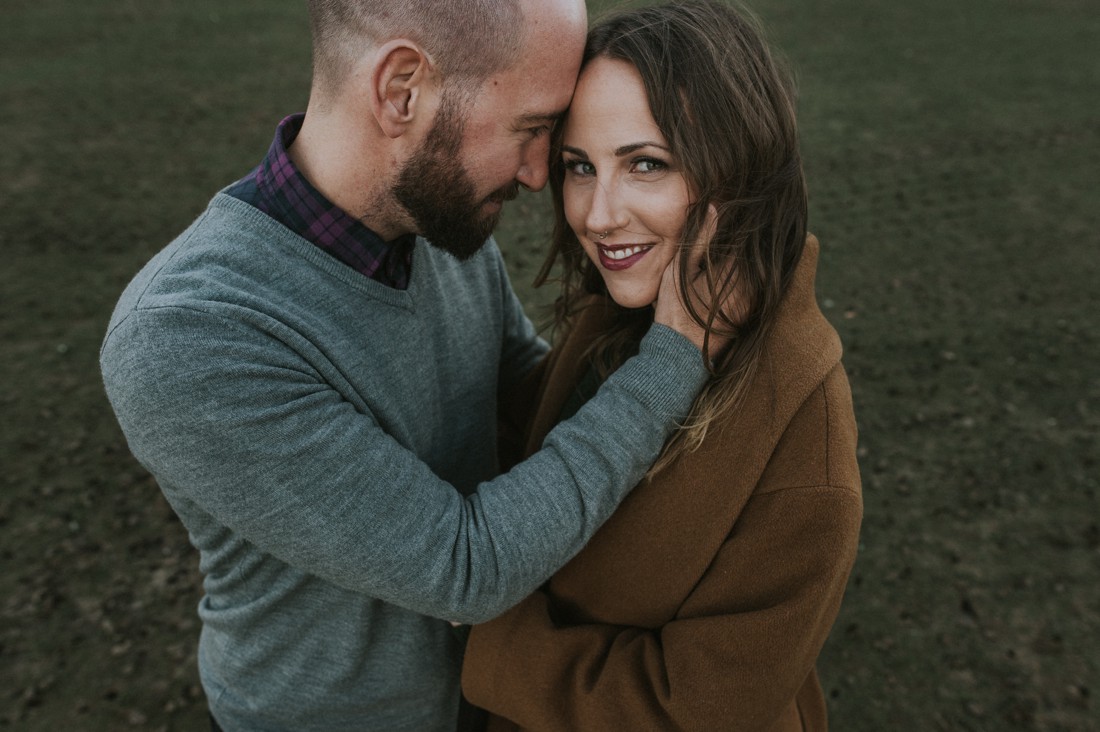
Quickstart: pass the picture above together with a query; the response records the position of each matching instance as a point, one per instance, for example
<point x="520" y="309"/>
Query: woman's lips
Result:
<point x="621" y="257"/>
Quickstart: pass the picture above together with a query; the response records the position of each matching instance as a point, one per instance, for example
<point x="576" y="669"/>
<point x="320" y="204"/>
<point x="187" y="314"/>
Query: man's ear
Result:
<point x="401" y="81"/>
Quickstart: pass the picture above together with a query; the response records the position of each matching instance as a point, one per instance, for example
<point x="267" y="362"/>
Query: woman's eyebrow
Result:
<point x="627" y="149"/>
<point x="619" y="151"/>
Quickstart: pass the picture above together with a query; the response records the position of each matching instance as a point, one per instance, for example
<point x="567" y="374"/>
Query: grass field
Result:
<point x="953" y="152"/>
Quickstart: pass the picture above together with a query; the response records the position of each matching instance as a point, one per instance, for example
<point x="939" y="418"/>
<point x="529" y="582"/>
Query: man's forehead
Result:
<point x="524" y="101"/>
<point x="550" y="59"/>
<point x="534" y="91"/>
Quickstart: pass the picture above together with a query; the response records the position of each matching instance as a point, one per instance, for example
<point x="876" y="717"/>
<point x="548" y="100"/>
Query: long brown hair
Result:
<point x="727" y="110"/>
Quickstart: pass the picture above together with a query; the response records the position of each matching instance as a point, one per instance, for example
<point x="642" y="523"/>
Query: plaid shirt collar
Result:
<point x="279" y="189"/>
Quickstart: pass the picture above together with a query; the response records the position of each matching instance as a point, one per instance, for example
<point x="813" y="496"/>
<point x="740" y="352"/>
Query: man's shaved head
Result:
<point x="466" y="39"/>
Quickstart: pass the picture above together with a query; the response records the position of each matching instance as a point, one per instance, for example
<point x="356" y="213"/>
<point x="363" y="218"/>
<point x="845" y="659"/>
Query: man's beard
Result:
<point x="438" y="194"/>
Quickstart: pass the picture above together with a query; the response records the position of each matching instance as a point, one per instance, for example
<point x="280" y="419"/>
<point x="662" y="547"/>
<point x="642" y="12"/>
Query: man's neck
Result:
<point x="351" y="170"/>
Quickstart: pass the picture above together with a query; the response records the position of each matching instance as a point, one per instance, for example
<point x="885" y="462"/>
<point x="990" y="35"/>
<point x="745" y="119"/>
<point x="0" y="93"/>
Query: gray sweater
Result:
<point x="329" y="444"/>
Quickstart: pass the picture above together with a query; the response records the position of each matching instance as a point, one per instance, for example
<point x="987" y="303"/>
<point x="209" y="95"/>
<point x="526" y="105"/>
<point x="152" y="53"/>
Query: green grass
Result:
<point x="952" y="151"/>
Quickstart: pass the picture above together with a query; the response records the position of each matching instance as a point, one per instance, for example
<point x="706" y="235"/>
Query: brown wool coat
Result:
<point x="703" y="603"/>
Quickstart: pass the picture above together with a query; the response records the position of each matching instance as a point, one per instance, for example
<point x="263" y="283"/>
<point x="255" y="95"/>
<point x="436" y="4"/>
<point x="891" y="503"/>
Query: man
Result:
<point x="315" y="387"/>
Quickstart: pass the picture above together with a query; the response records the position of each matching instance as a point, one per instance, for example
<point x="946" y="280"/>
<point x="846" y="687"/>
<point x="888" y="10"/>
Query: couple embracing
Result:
<point x="413" y="514"/>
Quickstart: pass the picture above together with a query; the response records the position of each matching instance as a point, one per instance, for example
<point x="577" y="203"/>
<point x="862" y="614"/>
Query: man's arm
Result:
<point x="734" y="656"/>
<point x="229" y="418"/>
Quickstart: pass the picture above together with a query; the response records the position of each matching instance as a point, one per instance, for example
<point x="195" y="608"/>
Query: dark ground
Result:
<point x="952" y="151"/>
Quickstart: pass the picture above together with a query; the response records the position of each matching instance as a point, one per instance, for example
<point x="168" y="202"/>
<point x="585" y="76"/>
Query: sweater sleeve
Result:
<point x="232" y="421"/>
<point x="734" y="657"/>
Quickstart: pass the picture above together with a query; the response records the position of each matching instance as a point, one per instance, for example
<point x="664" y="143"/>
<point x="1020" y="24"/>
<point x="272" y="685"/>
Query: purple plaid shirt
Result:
<point x="279" y="189"/>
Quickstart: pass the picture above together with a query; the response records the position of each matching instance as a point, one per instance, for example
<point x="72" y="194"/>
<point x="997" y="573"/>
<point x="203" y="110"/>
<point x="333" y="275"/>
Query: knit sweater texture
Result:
<point x="329" y="444"/>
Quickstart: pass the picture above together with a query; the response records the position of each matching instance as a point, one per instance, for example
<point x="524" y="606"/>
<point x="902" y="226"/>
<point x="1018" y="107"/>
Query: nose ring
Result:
<point x="603" y="235"/>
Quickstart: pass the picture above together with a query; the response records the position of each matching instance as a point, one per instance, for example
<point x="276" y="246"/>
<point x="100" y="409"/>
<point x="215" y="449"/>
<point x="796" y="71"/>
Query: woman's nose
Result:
<point x="606" y="212"/>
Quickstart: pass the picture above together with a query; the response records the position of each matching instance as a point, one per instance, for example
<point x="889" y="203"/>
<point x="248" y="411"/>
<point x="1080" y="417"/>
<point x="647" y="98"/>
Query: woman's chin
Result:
<point x="633" y="300"/>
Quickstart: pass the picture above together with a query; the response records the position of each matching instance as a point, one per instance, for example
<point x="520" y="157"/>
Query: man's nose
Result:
<point x="534" y="169"/>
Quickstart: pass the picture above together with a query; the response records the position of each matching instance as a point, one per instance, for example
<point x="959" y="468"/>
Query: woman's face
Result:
<point x="625" y="196"/>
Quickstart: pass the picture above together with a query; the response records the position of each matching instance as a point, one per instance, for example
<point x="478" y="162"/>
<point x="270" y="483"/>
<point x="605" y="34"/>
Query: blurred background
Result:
<point x="952" y="153"/>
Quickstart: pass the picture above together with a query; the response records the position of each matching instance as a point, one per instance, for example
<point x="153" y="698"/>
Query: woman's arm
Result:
<point x="738" y="650"/>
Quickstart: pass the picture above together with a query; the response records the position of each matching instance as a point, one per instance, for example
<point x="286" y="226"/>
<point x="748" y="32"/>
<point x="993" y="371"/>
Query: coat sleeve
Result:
<point x="734" y="656"/>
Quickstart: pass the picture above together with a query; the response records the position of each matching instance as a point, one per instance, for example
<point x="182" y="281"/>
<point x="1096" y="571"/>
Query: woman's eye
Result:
<point x="580" y="167"/>
<point x="649" y="165"/>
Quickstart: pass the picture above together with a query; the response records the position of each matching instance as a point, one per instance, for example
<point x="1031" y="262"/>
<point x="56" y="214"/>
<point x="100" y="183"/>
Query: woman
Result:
<point x="704" y="602"/>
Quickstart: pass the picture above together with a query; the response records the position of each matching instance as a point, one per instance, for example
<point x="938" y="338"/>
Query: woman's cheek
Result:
<point x="573" y="216"/>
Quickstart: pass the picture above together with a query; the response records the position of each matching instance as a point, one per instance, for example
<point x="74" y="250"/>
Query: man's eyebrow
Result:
<point x="533" y="117"/>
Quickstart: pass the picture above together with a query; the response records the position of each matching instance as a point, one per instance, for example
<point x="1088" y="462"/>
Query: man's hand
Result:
<point x="670" y="309"/>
